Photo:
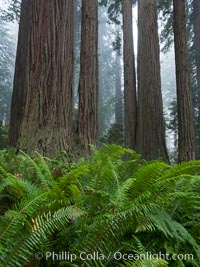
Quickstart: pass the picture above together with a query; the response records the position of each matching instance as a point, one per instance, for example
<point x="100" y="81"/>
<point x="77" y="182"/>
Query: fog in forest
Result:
<point x="109" y="45"/>
<point x="99" y="133"/>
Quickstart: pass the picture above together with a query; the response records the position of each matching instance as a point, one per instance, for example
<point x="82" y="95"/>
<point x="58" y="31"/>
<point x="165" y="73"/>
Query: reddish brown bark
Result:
<point x="48" y="80"/>
<point x="196" y="24"/>
<point x="130" y="102"/>
<point x="88" y="86"/>
<point x="21" y="74"/>
<point x="196" y="42"/>
<point x="151" y="128"/>
<point x="186" y="144"/>
<point x="118" y="92"/>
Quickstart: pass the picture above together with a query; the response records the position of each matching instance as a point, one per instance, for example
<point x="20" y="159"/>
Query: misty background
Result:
<point x="108" y="33"/>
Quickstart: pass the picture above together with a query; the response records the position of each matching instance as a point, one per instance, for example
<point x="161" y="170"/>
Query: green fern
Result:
<point x="106" y="203"/>
<point x="23" y="249"/>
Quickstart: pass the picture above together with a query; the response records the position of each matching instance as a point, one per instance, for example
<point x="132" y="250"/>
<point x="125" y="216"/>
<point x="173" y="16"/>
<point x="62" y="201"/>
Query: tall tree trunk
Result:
<point x="88" y="86"/>
<point x="118" y="92"/>
<point x="130" y="102"/>
<point x="186" y="144"/>
<point x="196" y="23"/>
<point x="101" y="122"/>
<point x="77" y="46"/>
<point x="151" y="141"/>
<point x="21" y="77"/>
<point x="47" y="119"/>
<point x="196" y="44"/>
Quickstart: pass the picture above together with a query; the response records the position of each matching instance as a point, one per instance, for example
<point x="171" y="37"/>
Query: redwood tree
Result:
<point x="130" y="102"/>
<point x="196" y="27"/>
<point x="44" y="74"/>
<point x="21" y="77"/>
<point x="118" y="91"/>
<point x="101" y="119"/>
<point x="151" y="127"/>
<point x="88" y="86"/>
<point x="186" y="144"/>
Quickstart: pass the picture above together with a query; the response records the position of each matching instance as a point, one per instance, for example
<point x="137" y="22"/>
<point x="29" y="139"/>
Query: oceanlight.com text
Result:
<point x="118" y="256"/>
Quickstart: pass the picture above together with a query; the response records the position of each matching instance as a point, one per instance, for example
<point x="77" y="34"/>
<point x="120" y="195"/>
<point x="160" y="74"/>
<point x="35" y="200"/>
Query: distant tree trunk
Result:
<point x="186" y="144"/>
<point x="130" y="102"/>
<point x="21" y="77"/>
<point x="118" y="92"/>
<point x="196" y="27"/>
<point x="196" y="23"/>
<point x="151" y="141"/>
<point x="101" y="121"/>
<point x="76" y="22"/>
<point x="48" y="77"/>
<point x="88" y="86"/>
<point x="77" y="44"/>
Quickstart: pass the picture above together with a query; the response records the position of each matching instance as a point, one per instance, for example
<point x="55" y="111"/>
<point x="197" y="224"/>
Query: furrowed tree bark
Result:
<point x="196" y="25"/>
<point x="47" y="117"/>
<point x="151" y="127"/>
<point x="21" y="80"/>
<point x="130" y="102"/>
<point x="101" y="122"/>
<point x="186" y="143"/>
<point x="88" y="86"/>
<point x="118" y="92"/>
<point x="196" y="44"/>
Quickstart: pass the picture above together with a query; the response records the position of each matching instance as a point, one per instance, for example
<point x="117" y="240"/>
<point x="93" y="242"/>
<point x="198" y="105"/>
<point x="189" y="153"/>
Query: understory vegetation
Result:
<point x="111" y="202"/>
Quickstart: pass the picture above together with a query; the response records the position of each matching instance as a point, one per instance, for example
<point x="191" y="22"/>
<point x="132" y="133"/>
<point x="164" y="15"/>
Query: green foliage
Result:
<point x="165" y="9"/>
<point x="172" y="126"/>
<point x="117" y="44"/>
<point x="103" y="204"/>
<point x="114" y="10"/>
<point x="115" y="135"/>
<point x="3" y="136"/>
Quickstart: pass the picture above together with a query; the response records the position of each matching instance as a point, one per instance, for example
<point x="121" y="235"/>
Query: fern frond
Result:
<point x="43" y="165"/>
<point x="21" y="251"/>
<point x="145" y="263"/>
<point x="114" y="151"/>
<point x="184" y="168"/>
<point x="13" y="220"/>
<point x="105" y="236"/>
<point x="32" y="166"/>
